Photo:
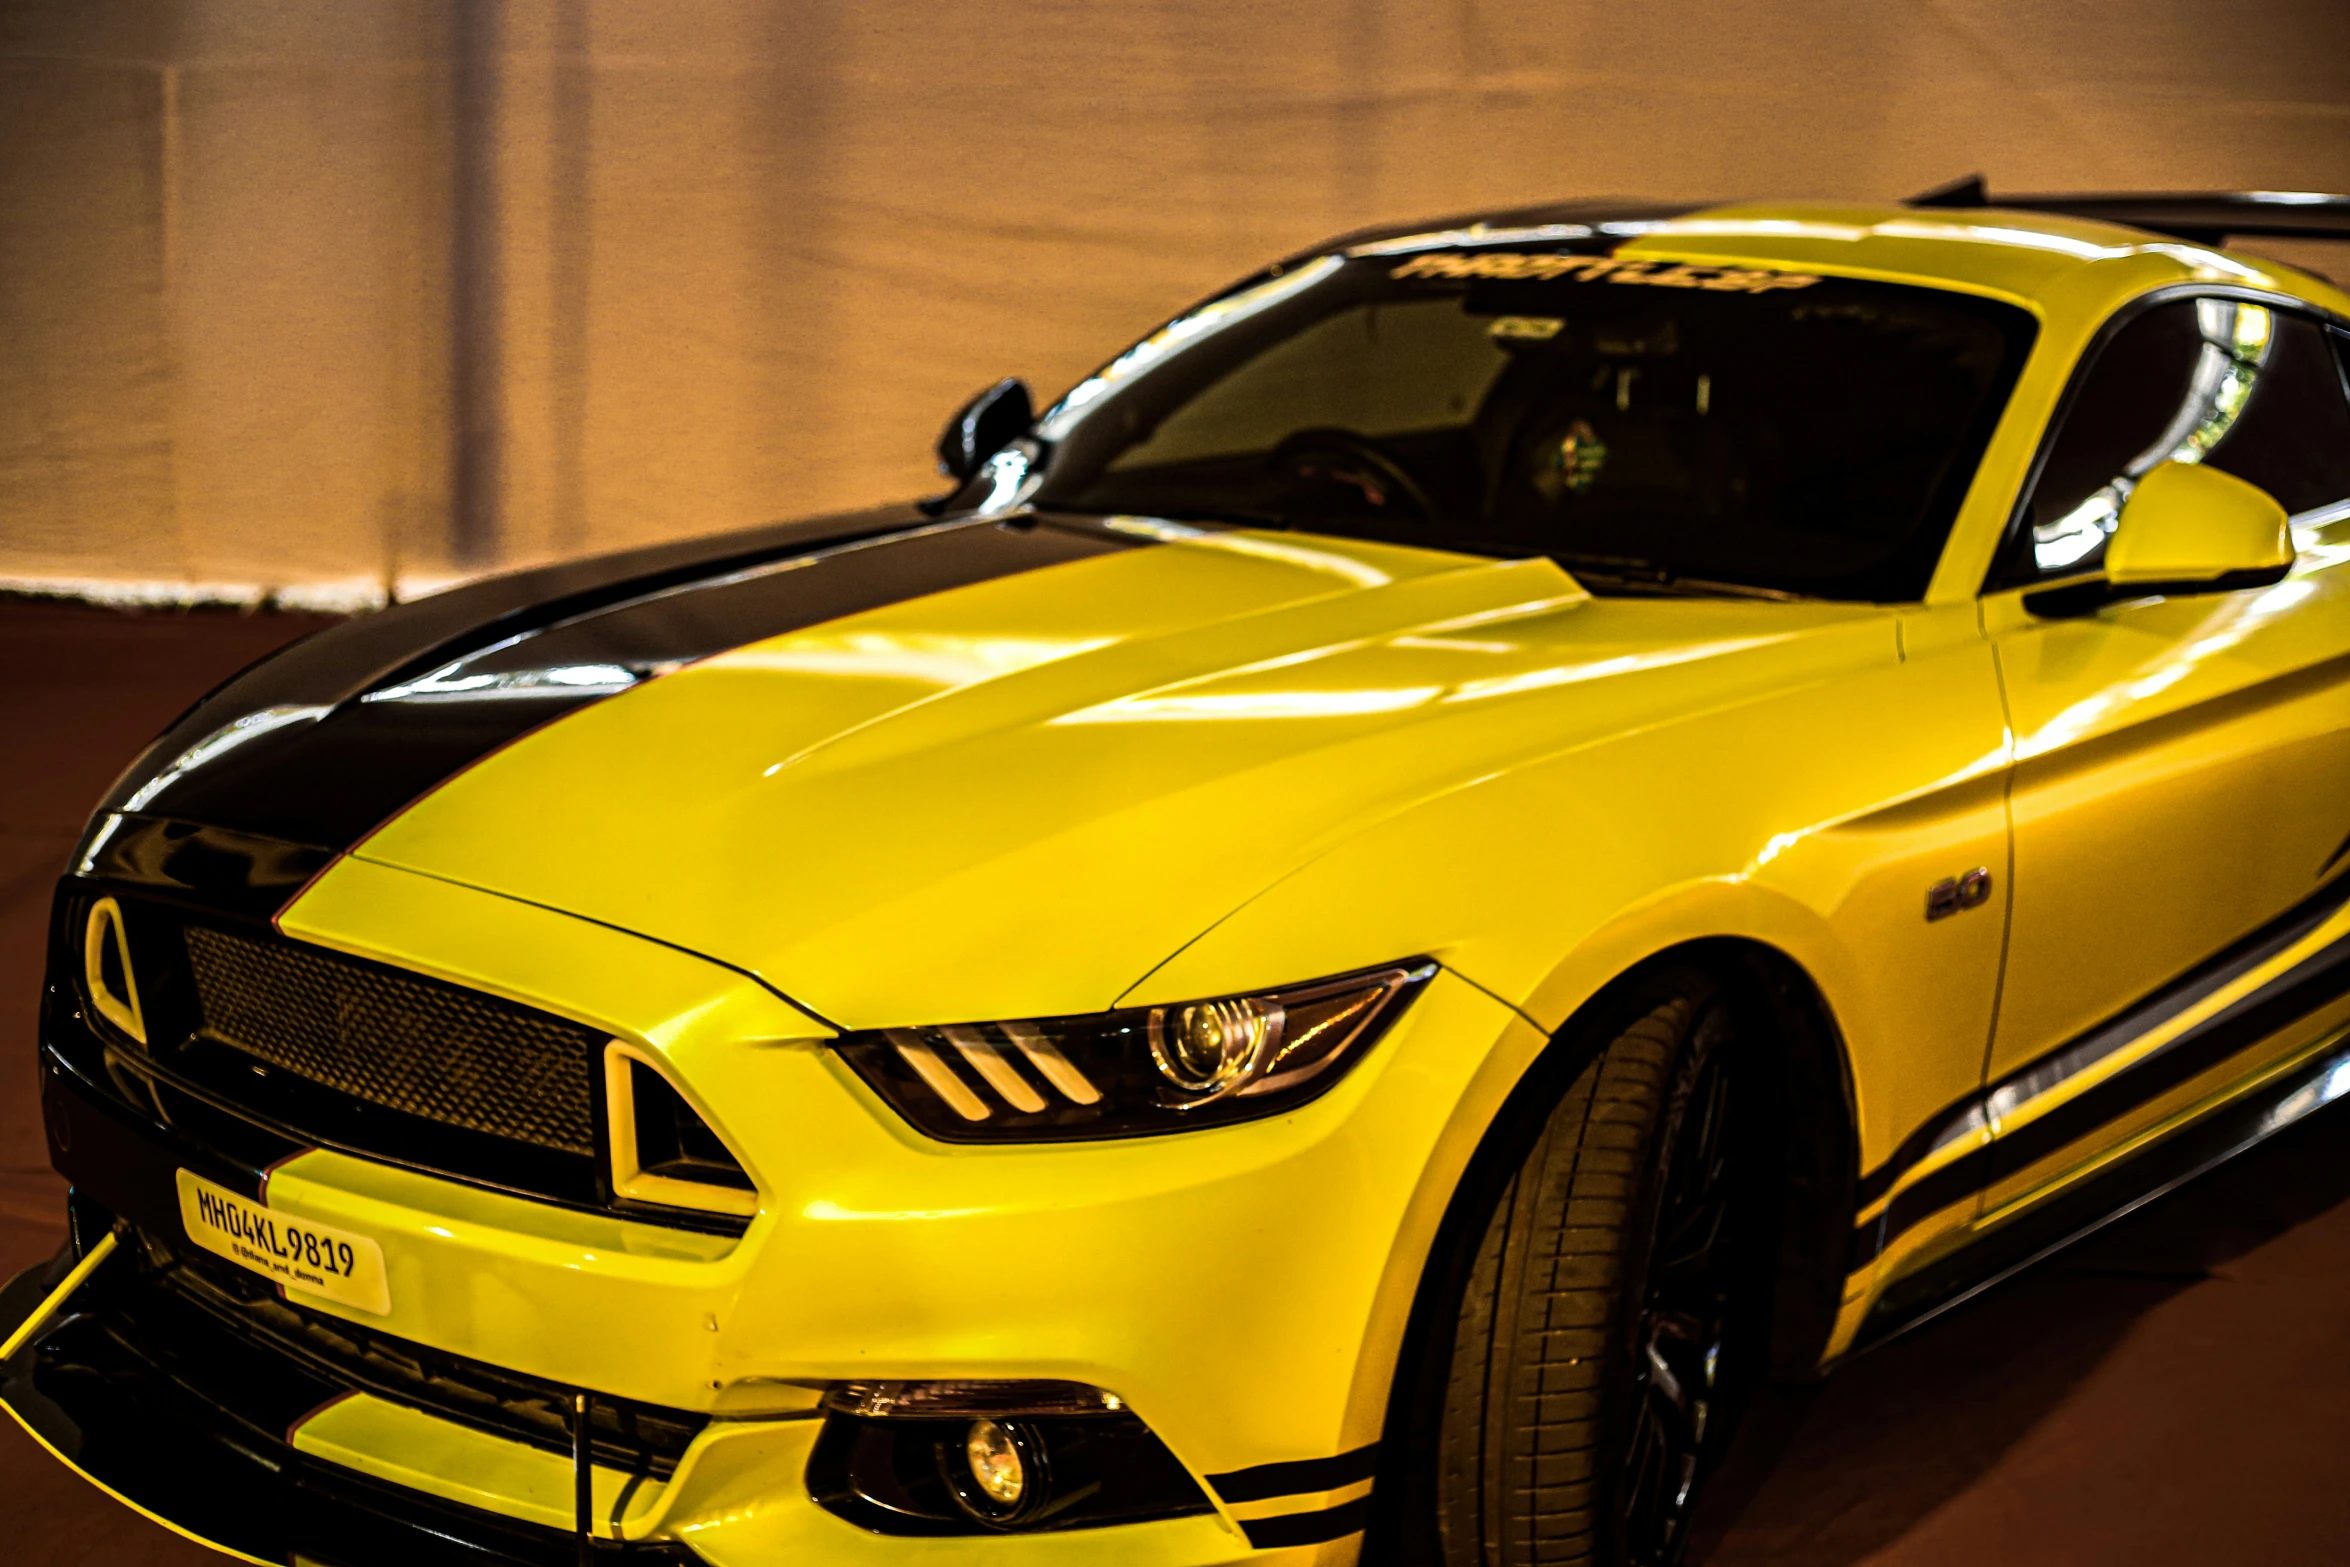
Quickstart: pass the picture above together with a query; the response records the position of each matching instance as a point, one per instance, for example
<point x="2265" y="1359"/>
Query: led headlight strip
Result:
<point x="1133" y="1072"/>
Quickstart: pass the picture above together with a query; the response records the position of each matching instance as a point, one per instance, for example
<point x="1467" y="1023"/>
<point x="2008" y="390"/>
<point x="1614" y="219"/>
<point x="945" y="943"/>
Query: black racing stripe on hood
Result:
<point x="210" y="867"/>
<point x="366" y="651"/>
<point x="319" y="766"/>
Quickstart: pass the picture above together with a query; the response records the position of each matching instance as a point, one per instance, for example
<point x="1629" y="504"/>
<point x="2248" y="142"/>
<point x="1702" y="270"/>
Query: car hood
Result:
<point x="1016" y="798"/>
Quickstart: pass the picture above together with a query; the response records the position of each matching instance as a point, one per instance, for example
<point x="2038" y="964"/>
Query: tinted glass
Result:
<point x="2294" y="437"/>
<point x="2250" y="390"/>
<point x="1776" y="431"/>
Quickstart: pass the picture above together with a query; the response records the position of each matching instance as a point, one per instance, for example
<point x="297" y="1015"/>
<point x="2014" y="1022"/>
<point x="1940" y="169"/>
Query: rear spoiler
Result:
<point x="2205" y="218"/>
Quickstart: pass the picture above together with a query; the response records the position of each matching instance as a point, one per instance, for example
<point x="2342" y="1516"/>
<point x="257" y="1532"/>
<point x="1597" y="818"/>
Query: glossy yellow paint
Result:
<point x="878" y="1253"/>
<point x="441" y="1458"/>
<point x="985" y="727"/>
<point x="2188" y="523"/>
<point x="1240" y="759"/>
<point x="2182" y="775"/>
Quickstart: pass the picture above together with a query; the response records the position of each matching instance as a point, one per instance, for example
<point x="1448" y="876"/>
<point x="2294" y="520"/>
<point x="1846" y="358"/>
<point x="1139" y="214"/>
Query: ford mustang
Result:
<point x="1498" y="832"/>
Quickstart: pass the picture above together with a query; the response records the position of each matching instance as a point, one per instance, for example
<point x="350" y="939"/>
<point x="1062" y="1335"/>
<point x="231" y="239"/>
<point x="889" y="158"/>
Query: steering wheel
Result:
<point x="1343" y="458"/>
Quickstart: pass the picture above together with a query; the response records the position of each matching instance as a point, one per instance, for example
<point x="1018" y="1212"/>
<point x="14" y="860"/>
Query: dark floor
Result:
<point x="2177" y="1391"/>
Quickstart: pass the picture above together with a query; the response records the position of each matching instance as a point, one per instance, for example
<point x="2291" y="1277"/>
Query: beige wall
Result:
<point x="742" y="256"/>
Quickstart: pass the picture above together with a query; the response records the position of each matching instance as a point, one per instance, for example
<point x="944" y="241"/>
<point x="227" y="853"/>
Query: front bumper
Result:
<point x="276" y="1458"/>
<point x="185" y="1427"/>
<point x="1293" y="1245"/>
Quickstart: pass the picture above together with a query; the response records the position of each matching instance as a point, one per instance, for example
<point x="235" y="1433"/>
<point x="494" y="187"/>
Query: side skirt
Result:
<point x="2100" y="1199"/>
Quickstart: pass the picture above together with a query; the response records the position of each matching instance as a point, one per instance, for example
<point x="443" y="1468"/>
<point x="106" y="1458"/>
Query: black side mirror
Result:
<point x="983" y="427"/>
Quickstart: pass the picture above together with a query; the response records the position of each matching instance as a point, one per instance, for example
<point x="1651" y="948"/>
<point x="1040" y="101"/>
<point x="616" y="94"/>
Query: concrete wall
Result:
<point x="324" y="293"/>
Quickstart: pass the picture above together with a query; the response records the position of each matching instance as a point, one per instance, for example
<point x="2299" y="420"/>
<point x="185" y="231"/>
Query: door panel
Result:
<point x="2181" y="790"/>
<point x="2182" y="776"/>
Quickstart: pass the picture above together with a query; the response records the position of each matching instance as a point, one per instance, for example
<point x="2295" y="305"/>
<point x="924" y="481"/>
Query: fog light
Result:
<point x="997" y="1472"/>
<point x="991" y="1457"/>
<point x="995" y="1464"/>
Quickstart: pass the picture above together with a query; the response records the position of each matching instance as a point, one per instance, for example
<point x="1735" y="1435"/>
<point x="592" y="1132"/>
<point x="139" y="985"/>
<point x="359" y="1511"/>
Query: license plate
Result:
<point x="342" y="1265"/>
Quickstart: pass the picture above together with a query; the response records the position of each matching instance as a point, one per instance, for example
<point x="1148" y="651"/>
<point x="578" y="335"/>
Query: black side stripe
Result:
<point x="1956" y="1181"/>
<point x="1334" y="1523"/>
<point x="2292" y="996"/>
<point x="2307" y="987"/>
<point x="321" y="773"/>
<point x="2335" y="858"/>
<point x="1937" y="1130"/>
<point x="2133" y="1022"/>
<point x="1297" y="1477"/>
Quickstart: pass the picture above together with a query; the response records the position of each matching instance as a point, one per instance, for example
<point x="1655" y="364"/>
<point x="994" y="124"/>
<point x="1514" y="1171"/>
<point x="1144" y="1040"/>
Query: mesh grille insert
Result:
<point x="406" y="1043"/>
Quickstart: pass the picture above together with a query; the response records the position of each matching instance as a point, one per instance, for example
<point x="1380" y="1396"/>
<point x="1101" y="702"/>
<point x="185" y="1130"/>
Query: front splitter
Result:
<point x="122" y="1416"/>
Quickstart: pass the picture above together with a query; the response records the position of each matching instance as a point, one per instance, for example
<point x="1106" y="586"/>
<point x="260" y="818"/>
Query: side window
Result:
<point x="2294" y="438"/>
<point x="2250" y="390"/>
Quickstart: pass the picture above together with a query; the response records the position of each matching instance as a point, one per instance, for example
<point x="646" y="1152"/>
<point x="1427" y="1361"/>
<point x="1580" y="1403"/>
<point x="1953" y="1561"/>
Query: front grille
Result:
<point x="406" y="1043"/>
<point x="258" y="1046"/>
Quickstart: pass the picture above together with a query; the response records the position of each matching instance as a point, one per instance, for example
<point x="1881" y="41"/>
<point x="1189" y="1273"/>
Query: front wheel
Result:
<point x="1613" y="1310"/>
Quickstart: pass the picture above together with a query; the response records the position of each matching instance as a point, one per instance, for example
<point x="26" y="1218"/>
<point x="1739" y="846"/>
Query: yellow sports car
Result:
<point x="1493" y="834"/>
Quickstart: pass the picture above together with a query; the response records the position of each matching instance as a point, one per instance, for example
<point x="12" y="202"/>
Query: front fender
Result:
<point x="1811" y="820"/>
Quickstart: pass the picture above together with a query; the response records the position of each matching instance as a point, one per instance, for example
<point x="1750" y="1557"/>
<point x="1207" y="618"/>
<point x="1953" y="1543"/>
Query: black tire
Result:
<point x="1614" y="1308"/>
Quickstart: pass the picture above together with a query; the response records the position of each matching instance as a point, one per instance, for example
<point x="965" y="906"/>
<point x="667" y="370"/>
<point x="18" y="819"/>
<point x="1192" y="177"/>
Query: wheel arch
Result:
<point x="1818" y="1164"/>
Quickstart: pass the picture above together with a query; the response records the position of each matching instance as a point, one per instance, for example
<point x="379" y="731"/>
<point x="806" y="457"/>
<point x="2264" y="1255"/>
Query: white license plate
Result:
<point x="342" y="1265"/>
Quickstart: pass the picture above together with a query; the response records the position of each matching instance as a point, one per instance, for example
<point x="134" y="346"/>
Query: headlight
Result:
<point x="1130" y="1073"/>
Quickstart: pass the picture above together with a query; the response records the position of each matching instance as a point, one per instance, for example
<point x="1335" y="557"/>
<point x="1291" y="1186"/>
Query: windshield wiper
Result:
<point x="1645" y="576"/>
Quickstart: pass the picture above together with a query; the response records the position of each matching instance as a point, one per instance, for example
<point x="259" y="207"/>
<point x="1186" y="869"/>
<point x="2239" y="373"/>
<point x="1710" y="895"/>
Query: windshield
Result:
<point x="1712" y="428"/>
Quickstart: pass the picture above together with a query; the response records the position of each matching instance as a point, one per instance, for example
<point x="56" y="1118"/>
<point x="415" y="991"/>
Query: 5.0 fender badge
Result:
<point x="1952" y="894"/>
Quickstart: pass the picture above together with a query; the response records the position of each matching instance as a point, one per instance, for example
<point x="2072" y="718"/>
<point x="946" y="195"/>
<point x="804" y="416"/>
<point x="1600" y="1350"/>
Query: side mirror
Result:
<point x="983" y="427"/>
<point x="2187" y="528"/>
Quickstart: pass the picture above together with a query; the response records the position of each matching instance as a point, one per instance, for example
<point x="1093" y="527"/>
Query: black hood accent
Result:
<point x="210" y="867"/>
<point x="263" y="782"/>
